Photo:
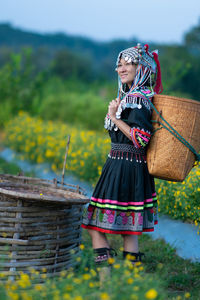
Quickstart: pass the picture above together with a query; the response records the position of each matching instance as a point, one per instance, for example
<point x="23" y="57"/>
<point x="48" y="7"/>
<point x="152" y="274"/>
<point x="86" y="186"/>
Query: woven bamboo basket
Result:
<point x="167" y="157"/>
<point x="39" y="225"/>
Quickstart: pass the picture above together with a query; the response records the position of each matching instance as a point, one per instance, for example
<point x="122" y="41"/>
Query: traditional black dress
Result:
<point x="124" y="199"/>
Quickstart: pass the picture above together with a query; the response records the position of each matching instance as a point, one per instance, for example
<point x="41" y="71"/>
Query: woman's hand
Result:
<point x="112" y="108"/>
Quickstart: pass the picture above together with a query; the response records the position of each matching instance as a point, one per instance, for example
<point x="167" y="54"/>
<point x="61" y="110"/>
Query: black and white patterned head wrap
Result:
<point x="139" y="55"/>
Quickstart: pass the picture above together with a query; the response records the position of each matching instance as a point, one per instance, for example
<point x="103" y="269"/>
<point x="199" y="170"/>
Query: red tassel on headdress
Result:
<point x="147" y="48"/>
<point x="158" y="87"/>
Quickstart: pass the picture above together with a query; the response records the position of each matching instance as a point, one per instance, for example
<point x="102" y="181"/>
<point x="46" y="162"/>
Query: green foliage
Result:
<point x="179" y="72"/>
<point x="68" y="65"/>
<point x="8" y="168"/>
<point x="62" y="84"/>
<point x="85" y="109"/>
<point x="192" y="39"/>
<point x="73" y="102"/>
<point x="179" y="276"/>
<point x="18" y="85"/>
<point x="180" y="200"/>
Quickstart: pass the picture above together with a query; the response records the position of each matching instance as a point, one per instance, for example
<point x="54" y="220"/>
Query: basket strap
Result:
<point x="172" y="130"/>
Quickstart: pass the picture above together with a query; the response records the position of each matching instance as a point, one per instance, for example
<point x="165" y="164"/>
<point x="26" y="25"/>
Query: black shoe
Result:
<point x="102" y="254"/>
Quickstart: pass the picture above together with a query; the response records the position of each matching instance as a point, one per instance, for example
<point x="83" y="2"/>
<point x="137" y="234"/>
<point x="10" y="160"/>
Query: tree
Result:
<point x="192" y="39"/>
<point x="68" y="65"/>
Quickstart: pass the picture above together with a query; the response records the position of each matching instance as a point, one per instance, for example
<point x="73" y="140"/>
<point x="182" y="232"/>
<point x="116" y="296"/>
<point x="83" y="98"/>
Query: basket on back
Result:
<point x="167" y="157"/>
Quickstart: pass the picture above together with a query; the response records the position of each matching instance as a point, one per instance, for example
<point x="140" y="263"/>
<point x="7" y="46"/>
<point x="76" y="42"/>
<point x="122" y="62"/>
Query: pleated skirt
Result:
<point x="124" y="200"/>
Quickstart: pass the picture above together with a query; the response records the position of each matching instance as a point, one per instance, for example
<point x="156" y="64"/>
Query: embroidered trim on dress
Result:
<point x="124" y="206"/>
<point x="140" y="138"/>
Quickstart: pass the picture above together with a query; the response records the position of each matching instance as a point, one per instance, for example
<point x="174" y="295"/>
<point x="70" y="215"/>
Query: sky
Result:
<point x="163" y="21"/>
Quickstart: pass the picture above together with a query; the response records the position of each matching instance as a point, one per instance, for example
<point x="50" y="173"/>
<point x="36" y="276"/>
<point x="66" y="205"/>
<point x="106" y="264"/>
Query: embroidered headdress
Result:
<point x="146" y="84"/>
<point x="147" y="64"/>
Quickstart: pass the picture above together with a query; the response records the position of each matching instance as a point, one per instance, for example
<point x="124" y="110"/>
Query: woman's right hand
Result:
<point x="113" y="107"/>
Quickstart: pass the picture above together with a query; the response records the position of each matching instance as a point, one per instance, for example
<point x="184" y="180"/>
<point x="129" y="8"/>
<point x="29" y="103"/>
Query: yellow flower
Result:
<point x="69" y="287"/>
<point x="13" y="287"/>
<point x="130" y="280"/>
<point x="116" y="266"/>
<point x="187" y="295"/>
<point x="104" y="296"/>
<point x="127" y="273"/>
<point x="24" y="281"/>
<point x="77" y="280"/>
<point x="78" y="259"/>
<point x="86" y="276"/>
<point x="44" y="270"/>
<point x="81" y="246"/>
<point x="93" y="272"/>
<point x="78" y="298"/>
<point x="26" y="296"/>
<point x="130" y="257"/>
<point x="151" y="294"/>
<point x="91" y="284"/>
<point x="38" y="287"/>
<point x="134" y="297"/>
<point x="13" y="296"/>
<point x="111" y="260"/>
<point x="66" y="297"/>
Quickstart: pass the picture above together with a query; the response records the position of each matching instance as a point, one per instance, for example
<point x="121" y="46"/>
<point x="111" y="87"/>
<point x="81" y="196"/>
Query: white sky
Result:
<point x="149" y="20"/>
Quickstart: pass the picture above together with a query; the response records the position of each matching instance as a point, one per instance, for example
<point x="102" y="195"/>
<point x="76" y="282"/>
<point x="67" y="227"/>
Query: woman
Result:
<point x="124" y="200"/>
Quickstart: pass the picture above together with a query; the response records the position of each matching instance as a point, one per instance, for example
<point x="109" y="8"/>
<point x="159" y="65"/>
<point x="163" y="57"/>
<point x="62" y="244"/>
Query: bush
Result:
<point x="43" y="141"/>
<point x="181" y="199"/>
<point x="79" y="109"/>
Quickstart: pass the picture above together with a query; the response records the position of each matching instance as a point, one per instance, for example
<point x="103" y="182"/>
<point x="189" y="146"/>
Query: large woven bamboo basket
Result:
<point x="167" y="157"/>
<point x="39" y="225"/>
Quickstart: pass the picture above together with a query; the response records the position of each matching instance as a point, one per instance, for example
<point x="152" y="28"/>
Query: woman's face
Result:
<point x="126" y="72"/>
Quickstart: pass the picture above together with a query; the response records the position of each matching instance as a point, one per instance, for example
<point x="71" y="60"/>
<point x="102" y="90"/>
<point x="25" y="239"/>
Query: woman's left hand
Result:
<point x="113" y="106"/>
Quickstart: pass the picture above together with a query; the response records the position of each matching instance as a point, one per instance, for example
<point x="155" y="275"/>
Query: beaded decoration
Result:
<point x="147" y="64"/>
<point x="127" y="152"/>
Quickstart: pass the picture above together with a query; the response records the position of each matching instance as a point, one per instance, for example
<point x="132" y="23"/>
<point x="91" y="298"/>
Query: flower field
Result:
<point x="45" y="141"/>
<point x="181" y="200"/>
<point x="157" y="278"/>
<point x="42" y="141"/>
<point x="127" y="282"/>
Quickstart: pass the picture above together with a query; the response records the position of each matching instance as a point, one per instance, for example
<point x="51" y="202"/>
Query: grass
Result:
<point x="8" y="168"/>
<point x="163" y="275"/>
<point x="178" y="276"/>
